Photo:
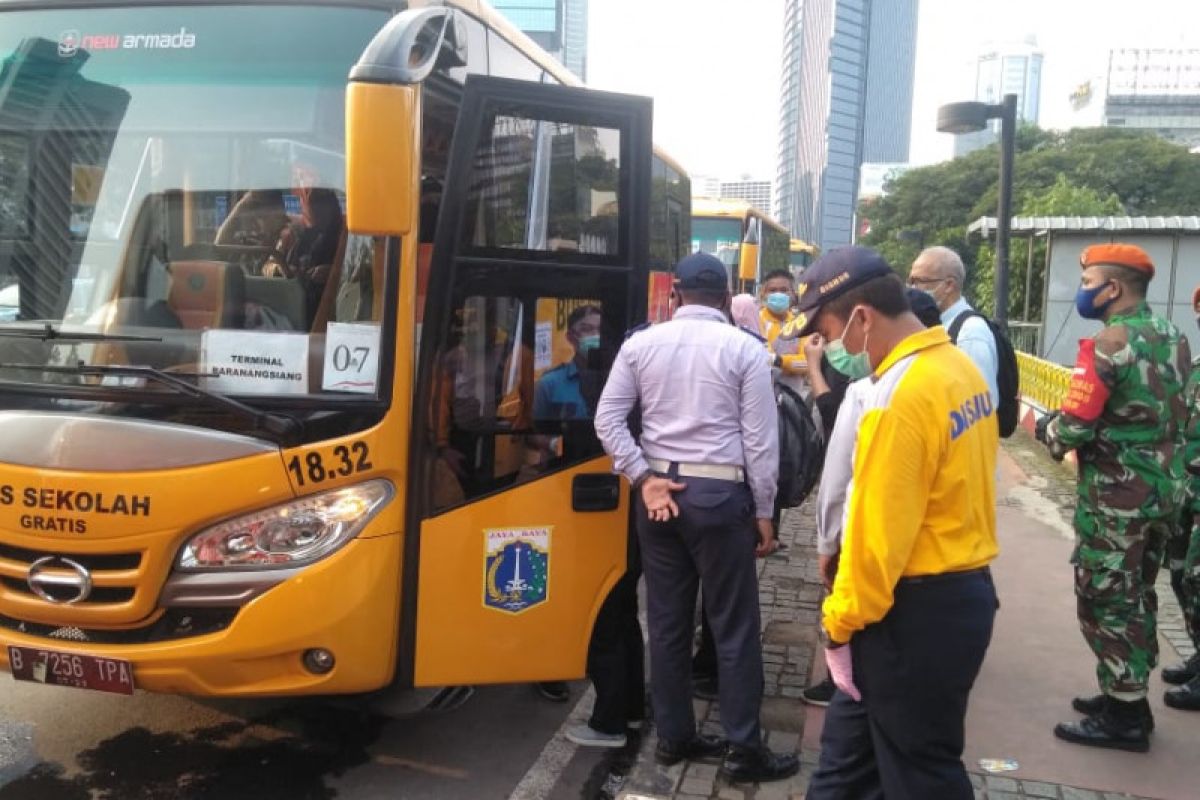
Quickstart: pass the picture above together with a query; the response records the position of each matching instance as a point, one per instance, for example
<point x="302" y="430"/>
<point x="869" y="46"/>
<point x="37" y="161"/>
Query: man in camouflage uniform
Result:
<point x="1183" y="553"/>
<point x="1122" y="417"/>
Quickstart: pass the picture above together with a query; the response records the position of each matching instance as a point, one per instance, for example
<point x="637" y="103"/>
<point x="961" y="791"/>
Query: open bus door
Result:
<point x="517" y="527"/>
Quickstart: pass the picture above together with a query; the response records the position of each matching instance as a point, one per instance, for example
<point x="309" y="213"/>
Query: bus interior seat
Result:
<point x="283" y="295"/>
<point x="207" y="294"/>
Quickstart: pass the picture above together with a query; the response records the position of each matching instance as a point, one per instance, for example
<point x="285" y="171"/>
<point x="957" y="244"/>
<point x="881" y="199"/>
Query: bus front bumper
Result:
<point x="347" y="604"/>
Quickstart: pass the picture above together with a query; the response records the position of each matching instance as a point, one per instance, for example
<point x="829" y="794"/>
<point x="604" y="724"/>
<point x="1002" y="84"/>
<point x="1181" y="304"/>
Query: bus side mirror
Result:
<point x="382" y="158"/>
<point x="748" y="257"/>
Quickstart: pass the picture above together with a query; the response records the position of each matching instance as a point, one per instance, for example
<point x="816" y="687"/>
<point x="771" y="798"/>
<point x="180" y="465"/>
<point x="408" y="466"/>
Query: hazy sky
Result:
<point x="713" y="68"/>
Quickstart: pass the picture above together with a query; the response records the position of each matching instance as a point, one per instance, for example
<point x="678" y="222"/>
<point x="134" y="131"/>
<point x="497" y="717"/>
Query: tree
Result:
<point x="1086" y="172"/>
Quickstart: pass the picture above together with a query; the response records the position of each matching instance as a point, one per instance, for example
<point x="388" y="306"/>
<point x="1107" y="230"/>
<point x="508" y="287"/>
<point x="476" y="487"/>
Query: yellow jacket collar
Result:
<point x="913" y="344"/>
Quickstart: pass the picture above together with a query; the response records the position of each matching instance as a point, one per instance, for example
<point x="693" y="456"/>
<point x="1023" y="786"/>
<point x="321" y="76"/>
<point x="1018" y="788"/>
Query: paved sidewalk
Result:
<point x="1036" y="496"/>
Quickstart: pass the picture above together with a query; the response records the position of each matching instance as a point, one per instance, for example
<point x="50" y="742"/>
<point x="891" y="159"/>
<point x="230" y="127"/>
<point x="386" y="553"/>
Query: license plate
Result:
<point x="70" y="669"/>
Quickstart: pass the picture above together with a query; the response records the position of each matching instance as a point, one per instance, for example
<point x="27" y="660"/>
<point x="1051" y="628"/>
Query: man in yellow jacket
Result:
<point x="778" y="295"/>
<point x="910" y="615"/>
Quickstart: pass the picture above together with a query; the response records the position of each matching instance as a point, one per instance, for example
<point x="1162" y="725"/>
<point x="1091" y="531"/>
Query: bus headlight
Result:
<point x="288" y="535"/>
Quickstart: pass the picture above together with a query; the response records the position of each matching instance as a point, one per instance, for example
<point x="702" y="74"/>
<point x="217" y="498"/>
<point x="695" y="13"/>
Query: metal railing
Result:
<point x="1042" y="383"/>
<point x="1026" y="337"/>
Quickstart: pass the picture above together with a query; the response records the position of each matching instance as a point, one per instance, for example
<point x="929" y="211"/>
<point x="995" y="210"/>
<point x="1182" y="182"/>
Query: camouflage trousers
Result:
<point x="1116" y="564"/>
<point x="1183" y="559"/>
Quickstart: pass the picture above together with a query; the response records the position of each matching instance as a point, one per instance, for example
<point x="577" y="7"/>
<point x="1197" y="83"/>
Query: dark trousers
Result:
<point x="616" y="657"/>
<point x="915" y="670"/>
<point x="710" y="545"/>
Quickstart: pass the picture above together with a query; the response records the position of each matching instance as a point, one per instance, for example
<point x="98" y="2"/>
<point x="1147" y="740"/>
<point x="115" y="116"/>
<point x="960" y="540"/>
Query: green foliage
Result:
<point x="1083" y="172"/>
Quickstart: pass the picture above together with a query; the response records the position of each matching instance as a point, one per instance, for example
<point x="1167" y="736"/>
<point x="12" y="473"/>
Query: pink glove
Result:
<point x="841" y="669"/>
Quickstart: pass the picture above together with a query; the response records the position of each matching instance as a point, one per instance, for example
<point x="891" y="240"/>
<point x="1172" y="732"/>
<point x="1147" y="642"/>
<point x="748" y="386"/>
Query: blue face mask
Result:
<point x="1085" y="302"/>
<point x="588" y="343"/>
<point x="778" y="302"/>
<point x="854" y="366"/>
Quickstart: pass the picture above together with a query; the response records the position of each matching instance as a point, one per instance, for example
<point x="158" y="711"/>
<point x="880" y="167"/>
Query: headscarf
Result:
<point x="744" y="310"/>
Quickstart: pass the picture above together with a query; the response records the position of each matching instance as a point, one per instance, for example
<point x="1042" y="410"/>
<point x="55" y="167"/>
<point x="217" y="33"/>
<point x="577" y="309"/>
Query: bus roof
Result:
<point x="801" y="246"/>
<point x="479" y="9"/>
<point x="724" y="207"/>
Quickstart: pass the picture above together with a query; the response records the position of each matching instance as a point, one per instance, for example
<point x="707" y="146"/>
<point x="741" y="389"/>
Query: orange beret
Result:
<point x="1116" y="254"/>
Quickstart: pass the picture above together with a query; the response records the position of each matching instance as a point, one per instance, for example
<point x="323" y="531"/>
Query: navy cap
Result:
<point x="834" y="274"/>
<point x="701" y="271"/>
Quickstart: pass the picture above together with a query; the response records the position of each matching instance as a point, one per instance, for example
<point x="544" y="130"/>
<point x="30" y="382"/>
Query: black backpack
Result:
<point x="1008" y="373"/>
<point x="801" y="447"/>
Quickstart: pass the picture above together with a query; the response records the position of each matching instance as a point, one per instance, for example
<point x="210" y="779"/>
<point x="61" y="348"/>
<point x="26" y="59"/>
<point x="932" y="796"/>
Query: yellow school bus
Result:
<point x="801" y="254"/>
<point x="749" y="242"/>
<point x="290" y="397"/>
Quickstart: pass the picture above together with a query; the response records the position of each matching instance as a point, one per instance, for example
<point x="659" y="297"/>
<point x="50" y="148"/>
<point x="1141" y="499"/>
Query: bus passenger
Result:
<point x="704" y="482"/>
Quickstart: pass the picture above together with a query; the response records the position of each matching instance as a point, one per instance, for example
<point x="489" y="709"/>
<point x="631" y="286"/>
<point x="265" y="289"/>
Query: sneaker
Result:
<point x="1186" y="697"/>
<point x="585" y="735"/>
<point x="757" y="764"/>
<point x="1120" y="726"/>
<point x="554" y="691"/>
<point x="1183" y="672"/>
<point x="819" y="694"/>
<point x="1091" y="706"/>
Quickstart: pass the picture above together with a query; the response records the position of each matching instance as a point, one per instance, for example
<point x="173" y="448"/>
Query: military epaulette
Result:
<point x="637" y="329"/>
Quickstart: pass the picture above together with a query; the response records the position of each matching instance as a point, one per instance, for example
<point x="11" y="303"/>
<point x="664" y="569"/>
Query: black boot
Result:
<point x="1183" y="672"/>
<point x="757" y="764"/>
<point x="1119" y="726"/>
<point x="1091" y="706"/>
<point x="1186" y="697"/>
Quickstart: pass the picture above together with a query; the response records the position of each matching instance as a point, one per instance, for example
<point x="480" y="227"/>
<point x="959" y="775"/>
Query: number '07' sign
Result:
<point x="351" y="358"/>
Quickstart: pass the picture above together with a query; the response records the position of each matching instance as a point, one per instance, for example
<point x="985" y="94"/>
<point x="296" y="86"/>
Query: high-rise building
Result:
<point x="558" y="26"/>
<point x="756" y="193"/>
<point x="1156" y="90"/>
<point x="1010" y="69"/>
<point x="846" y="98"/>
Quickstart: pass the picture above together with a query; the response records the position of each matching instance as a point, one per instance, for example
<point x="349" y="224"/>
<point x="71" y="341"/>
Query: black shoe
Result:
<point x="757" y="765"/>
<point x="554" y="691"/>
<point x="1120" y="726"/>
<point x="705" y="688"/>
<point x="819" y="694"/>
<point x="701" y="746"/>
<point x="1183" y="672"/>
<point x="1091" y="706"/>
<point x="1186" y="697"/>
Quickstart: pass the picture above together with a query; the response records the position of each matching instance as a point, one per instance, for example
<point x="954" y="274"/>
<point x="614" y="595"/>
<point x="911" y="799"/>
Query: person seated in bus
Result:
<point x="482" y="391"/>
<point x="307" y="247"/>
<point x="256" y="220"/>
<point x="563" y="392"/>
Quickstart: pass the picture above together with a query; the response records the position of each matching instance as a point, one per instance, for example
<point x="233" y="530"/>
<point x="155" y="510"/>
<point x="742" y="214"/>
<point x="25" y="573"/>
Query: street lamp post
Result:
<point x="968" y="118"/>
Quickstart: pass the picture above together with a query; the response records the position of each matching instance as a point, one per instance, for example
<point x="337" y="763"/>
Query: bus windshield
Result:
<point x="172" y="196"/>
<point x="718" y="236"/>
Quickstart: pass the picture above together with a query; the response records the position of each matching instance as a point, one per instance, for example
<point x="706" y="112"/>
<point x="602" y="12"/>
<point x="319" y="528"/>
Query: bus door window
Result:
<point x="516" y="390"/>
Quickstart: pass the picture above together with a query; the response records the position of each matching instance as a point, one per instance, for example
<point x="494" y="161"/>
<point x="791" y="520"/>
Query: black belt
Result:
<point x="946" y="576"/>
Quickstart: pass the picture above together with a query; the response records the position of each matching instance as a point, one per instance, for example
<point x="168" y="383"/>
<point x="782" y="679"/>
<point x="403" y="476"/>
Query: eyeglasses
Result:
<point x="917" y="282"/>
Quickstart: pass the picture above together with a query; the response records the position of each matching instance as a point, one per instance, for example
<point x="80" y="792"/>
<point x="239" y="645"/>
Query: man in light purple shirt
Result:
<point x="704" y="479"/>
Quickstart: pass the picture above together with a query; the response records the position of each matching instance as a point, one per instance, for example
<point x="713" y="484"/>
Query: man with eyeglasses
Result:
<point x="940" y="272"/>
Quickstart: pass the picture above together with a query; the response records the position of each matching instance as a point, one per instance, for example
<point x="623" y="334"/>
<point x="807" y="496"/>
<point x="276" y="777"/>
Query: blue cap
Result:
<point x="701" y="271"/>
<point x="834" y="274"/>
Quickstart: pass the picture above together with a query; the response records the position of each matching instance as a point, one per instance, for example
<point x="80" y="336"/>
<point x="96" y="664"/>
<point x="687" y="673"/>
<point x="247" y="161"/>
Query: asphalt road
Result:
<point x="69" y="744"/>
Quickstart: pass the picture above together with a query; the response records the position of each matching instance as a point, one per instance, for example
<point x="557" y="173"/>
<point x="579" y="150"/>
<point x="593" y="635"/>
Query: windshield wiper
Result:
<point x="277" y="424"/>
<point x="47" y="332"/>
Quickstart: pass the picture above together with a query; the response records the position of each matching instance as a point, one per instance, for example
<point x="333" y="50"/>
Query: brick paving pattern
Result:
<point x="790" y="595"/>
